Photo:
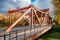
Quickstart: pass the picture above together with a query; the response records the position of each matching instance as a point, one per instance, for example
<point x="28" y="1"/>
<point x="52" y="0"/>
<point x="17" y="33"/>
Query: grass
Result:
<point x="53" y="34"/>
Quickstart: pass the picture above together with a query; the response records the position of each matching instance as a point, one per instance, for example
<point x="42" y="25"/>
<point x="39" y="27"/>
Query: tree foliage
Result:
<point x="9" y="19"/>
<point x="56" y="5"/>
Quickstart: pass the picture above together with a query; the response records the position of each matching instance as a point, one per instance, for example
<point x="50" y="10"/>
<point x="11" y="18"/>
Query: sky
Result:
<point x="13" y="4"/>
<point x="43" y="4"/>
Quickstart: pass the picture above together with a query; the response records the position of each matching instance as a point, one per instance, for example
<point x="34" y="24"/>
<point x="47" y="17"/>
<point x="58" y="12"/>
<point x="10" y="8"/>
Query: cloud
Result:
<point x="43" y="4"/>
<point x="25" y="3"/>
<point x="6" y="4"/>
<point x="14" y="0"/>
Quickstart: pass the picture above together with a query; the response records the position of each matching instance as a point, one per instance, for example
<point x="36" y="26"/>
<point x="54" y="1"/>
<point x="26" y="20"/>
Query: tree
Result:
<point x="1" y="16"/>
<point x="56" y="5"/>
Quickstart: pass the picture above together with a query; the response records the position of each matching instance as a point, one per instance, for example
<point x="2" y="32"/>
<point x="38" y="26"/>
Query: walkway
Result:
<point x="27" y="34"/>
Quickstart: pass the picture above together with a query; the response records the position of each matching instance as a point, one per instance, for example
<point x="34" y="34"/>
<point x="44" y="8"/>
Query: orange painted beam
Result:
<point x="13" y="25"/>
<point x="16" y="10"/>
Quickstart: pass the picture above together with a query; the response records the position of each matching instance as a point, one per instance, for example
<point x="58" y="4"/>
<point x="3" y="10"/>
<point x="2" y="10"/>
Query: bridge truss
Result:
<point x="35" y="17"/>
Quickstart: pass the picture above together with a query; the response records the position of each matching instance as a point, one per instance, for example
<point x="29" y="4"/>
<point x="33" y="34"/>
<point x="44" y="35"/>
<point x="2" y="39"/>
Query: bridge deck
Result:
<point x="21" y="35"/>
<point x="40" y="33"/>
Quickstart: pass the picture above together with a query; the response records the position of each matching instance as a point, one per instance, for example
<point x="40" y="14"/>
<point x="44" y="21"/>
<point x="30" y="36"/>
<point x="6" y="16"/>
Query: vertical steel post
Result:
<point x="25" y="33"/>
<point x="31" y="21"/>
<point x="9" y="35"/>
<point x="4" y="36"/>
<point x="16" y="35"/>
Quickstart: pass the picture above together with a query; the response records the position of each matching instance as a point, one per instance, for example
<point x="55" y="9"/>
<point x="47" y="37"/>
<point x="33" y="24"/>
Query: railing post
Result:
<point x="25" y="33"/>
<point x="37" y="29"/>
<point x="16" y="35"/>
<point x="34" y="30"/>
<point x="4" y="36"/>
<point x="30" y="31"/>
<point x="9" y="36"/>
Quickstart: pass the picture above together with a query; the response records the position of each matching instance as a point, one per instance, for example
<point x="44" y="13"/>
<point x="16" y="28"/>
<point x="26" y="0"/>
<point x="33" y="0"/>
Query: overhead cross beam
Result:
<point x="18" y="9"/>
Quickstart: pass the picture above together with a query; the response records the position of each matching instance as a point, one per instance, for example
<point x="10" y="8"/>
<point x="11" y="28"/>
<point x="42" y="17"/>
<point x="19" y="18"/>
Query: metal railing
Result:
<point x="20" y="34"/>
